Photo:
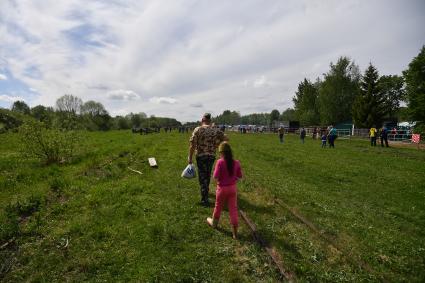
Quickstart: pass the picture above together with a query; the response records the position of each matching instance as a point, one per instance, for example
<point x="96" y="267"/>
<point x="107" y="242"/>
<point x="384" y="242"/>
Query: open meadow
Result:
<point x="96" y="220"/>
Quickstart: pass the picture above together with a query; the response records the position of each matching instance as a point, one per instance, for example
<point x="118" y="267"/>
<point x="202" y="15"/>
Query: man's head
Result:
<point x="206" y="119"/>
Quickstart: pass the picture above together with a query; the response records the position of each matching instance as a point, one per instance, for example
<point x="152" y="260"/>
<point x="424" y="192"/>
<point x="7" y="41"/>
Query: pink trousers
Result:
<point x="227" y="194"/>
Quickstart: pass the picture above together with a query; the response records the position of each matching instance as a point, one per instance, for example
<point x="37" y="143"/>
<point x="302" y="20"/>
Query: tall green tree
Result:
<point x="414" y="77"/>
<point x="306" y="103"/>
<point x="122" y="123"/>
<point x="21" y="107"/>
<point x="369" y="108"/>
<point x="393" y="92"/>
<point x="68" y="107"/>
<point x="43" y="114"/>
<point x="288" y="115"/>
<point x="274" y="116"/>
<point x="95" y="116"/>
<point x="135" y="120"/>
<point x="338" y="91"/>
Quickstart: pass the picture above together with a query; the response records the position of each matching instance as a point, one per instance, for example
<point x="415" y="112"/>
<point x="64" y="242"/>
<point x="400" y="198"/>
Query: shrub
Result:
<point x="48" y="145"/>
<point x="9" y="120"/>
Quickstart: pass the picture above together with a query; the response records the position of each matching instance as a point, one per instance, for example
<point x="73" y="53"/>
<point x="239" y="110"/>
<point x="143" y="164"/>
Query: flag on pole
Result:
<point x="416" y="138"/>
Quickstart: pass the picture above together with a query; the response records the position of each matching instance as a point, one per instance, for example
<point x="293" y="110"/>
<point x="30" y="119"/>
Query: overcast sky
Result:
<point x="182" y="58"/>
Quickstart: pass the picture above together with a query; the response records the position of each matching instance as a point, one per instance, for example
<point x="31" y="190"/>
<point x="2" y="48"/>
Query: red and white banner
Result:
<point x="416" y="138"/>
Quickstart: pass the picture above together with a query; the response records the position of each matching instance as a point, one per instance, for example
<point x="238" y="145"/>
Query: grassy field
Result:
<point x="95" y="220"/>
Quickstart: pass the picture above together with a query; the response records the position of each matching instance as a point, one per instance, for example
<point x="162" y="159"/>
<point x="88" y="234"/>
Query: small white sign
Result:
<point x="152" y="162"/>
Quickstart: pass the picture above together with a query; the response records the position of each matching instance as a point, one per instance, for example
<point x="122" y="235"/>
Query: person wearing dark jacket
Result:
<point x="302" y="135"/>
<point x="384" y="136"/>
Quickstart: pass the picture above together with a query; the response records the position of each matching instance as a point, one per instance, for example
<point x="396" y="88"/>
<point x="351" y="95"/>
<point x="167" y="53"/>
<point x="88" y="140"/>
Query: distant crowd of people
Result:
<point x="327" y="135"/>
<point x="181" y="129"/>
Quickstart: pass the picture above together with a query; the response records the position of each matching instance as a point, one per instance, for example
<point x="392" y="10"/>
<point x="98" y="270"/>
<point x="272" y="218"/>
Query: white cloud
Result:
<point x="122" y="94"/>
<point x="3" y="77"/>
<point x="124" y="53"/>
<point x="260" y="82"/>
<point x="9" y="98"/>
<point x="163" y="100"/>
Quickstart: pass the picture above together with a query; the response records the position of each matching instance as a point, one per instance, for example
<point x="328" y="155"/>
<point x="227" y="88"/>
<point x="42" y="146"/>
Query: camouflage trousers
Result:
<point x="205" y="164"/>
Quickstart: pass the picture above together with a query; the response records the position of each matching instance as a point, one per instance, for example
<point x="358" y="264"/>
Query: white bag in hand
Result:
<point x="189" y="172"/>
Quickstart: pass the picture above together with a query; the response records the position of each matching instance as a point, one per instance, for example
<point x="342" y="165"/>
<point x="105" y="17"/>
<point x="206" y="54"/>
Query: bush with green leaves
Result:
<point x="10" y="120"/>
<point x="46" y="144"/>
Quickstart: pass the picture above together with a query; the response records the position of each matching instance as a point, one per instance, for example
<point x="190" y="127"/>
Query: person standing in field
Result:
<point x="372" y="135"/>
<point x="324" y="138"/>
<point x="302" y="134"/>
<point x="227" y="172"/>
<point x="204" y="142"/>
<point x="281" y="132"/>
<point x="384" y="136"/>
<point x="332" y="136"/>
<point x="314" y="133"/>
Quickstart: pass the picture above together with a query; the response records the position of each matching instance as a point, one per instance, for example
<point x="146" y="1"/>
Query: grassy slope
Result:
<point x="125" y="226"/>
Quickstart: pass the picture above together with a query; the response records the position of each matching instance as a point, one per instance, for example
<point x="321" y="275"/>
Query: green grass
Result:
<point x="95" y="220"/>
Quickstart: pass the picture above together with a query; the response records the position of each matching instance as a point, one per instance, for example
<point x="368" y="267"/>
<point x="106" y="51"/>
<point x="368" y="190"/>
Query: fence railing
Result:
<point x="402" y="135"/>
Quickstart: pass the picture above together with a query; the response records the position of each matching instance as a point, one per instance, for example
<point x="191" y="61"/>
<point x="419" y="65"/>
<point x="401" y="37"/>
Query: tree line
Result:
<point x="71" y="113"/>
<point x="368" y="99"/>
<point x="344" y="95"/>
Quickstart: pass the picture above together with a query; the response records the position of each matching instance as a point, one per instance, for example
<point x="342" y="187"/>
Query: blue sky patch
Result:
<point x="13" y="87"/>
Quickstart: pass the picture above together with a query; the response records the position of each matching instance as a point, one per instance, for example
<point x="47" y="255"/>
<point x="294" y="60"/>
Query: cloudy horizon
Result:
<point x="182" y="58"/>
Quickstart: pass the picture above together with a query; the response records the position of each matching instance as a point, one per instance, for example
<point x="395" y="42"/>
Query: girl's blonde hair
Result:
<point x="225" y="149"/>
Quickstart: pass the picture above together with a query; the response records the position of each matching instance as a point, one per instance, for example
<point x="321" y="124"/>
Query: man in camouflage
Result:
<point x="204" y="141"/>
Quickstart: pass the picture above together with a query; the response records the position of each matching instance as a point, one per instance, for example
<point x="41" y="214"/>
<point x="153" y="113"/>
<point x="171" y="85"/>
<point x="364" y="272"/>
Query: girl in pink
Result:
<point x="227" y="172"/>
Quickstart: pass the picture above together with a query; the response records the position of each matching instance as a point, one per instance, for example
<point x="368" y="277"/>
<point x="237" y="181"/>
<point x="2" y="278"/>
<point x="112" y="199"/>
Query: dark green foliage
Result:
<point x="10" y="120"/>
<point x="136" y="120"/>
<point x="403" y="114"/>
<point x="21" y="107"/>
<point x="369" y="107"/>
<point x="95" y="117"/>
<point x="338" y="91"/>
<point x="414" y="77"/>
<point x="306" y="103"/>
<point x="274" y="116"/>
<point x="43" y="114"/>
<point x="288" y="115"/>
<point x="100" y="122"/>
<point x="122" y="123"/>
<point x="256" y="119"/>
<point x="227" y="118"/>
<point x="68" y="121"/>
<point x="393" y="92"/>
